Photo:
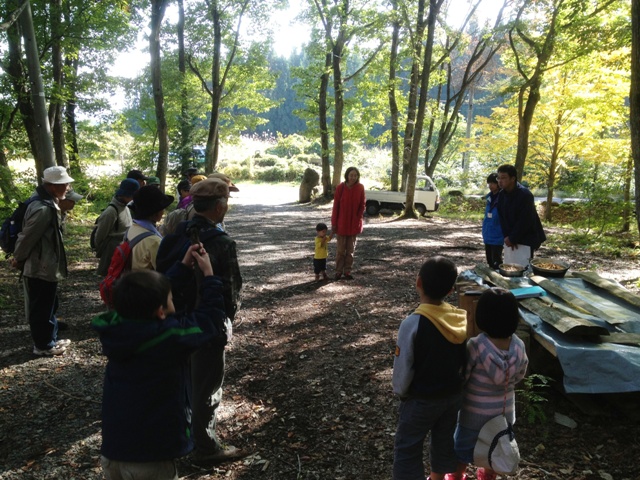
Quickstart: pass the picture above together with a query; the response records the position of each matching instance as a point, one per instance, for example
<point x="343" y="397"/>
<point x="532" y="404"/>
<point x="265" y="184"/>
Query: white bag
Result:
<point x="496" y="447"/>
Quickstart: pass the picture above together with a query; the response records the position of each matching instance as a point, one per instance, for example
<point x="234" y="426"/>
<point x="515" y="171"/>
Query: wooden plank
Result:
<point x="610" y="286"/>
<point x="575" y="301"/>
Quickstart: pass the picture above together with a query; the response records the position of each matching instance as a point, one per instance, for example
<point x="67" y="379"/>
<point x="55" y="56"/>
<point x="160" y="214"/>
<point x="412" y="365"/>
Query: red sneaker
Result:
<point x="484" y="474"/>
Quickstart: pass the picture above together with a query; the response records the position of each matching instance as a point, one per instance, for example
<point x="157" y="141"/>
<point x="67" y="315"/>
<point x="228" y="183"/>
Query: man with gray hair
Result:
<point x="40" y="255"/>
<point x="210" y="197"/>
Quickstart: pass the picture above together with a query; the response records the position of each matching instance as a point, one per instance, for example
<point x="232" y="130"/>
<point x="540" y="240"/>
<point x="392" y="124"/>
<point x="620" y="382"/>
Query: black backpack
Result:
<point x="12" y="226"/>
<point x="92" y="238"/>
<point x="175" y="245"/>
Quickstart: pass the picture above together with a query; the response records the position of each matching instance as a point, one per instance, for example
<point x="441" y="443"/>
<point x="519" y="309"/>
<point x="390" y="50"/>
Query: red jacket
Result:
<point x="348" y="208"/>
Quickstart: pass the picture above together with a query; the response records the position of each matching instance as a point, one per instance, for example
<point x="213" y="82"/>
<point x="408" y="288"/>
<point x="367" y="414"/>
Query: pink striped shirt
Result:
<point x="484" y="390"/>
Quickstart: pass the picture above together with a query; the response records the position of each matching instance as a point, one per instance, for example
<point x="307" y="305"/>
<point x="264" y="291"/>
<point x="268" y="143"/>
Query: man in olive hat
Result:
<point x="40" y="255"/>
<point x="210" y="197"/>
<point x="148" y="207"/>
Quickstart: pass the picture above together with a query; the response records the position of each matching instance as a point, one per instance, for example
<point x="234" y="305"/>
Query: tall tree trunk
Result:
<point x="338" y="96"/>
<point x="158" y="8"/>
<point x="626" y="212"/>
<point x="216" y="90"/>
<point x="467" y="155"/>
<point x="7" y="186"/>
<point x="70" y="115"/>
<point x="393" y="104"/>
<point x="434" y="8"/>
<point x="553" y="166"/>
<point x="57" y="94"/>
<point x="324" y="127"/>
<point x="186" y="125"/>
<point x="634" y="100"/>
<point x="414" y="82"/>
<point x="31" y="93"/>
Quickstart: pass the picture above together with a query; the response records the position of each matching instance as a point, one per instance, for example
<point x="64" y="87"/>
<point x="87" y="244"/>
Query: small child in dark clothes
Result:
<point x="146" y="406"/>
<point x="322" y="252"/>
<point x="428" y="372"/>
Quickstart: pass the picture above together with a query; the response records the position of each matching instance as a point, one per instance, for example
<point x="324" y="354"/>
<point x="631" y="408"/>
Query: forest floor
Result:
<point x="308" y="384"/>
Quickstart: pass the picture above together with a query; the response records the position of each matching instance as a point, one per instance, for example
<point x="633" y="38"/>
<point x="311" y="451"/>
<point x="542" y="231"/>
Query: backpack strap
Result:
<point x="136" y="240"/>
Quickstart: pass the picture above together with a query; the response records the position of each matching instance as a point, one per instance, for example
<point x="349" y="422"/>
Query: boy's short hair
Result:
<point x="321" y="226"/>
<point x="492" y="178"/>
<point x="497" y="313"/>
<point x="138" y="294"/>
<point x="438" y="275"/>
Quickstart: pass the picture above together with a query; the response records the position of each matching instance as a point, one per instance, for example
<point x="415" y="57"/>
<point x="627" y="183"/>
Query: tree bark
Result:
<point x="393" y="104"/>
<point x="434" y="8"/>
<point x="57" y="94"/>
<point x="186" y="125"/>
<point x="327" y="189"/>
<point x="158" y="8"/>
<point x="338" y="99"/>
<point x="634" y="100"/>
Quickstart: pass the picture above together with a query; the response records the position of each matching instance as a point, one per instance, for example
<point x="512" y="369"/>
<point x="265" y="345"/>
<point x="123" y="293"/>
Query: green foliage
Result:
<point x="530" y="399"/>
<point x="459" y="206"/>
<point x="289" y="146"/>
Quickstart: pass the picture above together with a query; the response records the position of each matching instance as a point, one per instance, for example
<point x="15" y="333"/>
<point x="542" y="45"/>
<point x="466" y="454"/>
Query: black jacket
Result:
<point x="519" y="219"/>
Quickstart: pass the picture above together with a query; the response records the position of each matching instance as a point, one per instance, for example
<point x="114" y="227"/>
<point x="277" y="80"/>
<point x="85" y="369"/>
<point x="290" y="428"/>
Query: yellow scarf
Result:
<point x="450" y="321"/>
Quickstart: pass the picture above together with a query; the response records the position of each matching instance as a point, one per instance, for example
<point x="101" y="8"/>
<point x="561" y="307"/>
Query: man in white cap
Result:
<point x="40" y="255"/>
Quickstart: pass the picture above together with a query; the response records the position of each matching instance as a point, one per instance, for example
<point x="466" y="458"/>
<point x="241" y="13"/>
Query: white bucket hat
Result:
<point x="56" y="176"/>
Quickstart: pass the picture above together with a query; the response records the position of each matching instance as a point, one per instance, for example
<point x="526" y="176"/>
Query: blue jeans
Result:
<point x="418" y="417"/>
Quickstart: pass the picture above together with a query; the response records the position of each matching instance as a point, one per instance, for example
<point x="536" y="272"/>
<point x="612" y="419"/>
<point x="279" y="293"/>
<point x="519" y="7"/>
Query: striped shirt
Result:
<point x="484" y="390"/>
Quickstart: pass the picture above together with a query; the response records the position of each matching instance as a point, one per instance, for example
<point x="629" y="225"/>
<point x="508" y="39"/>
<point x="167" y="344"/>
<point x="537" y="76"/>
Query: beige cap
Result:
<point x="56" y="176"/>
<point x="225" y="178"/>
<point x="210" y="187"/>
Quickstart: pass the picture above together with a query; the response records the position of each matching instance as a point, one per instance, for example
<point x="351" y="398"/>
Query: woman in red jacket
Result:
<point x="346" y="220"/>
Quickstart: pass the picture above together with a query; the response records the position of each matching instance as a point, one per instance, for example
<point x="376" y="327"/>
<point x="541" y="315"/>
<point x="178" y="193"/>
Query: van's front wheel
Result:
<point x="373" y="208"/>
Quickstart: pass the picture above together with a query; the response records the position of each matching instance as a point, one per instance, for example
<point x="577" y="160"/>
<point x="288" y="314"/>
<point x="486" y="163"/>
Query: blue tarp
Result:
<point x="590" y="367"/>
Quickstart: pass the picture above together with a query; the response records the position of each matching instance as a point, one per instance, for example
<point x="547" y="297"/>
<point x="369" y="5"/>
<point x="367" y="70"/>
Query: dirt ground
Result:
<point x="307" y="391"/>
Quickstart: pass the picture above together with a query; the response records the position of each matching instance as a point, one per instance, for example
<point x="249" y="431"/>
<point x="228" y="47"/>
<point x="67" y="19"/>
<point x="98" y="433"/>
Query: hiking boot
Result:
<point x="50" y="352"/>
<point x="65" y="342"/>
<point x="484" y="474"/>
<point x="225" y="454"/>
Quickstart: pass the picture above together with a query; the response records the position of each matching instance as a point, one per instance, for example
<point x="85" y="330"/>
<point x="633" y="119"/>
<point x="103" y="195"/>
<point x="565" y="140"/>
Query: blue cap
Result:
<point x="127" y="188"/>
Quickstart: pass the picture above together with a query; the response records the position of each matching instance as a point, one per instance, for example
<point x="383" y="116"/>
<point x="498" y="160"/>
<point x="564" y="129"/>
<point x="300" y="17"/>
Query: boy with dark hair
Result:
<point x="321" y="252"/>
<point x="146" y="406"/>
<point x="428" y="372"/>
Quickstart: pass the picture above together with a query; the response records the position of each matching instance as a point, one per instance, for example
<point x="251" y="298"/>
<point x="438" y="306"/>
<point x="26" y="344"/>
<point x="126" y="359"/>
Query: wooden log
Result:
<point x="622" y="338"/>
<point x="577" y="302"/>
<point x="610" y="286"/>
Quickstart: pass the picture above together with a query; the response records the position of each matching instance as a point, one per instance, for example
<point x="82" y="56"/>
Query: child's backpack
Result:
<point x="174" y="218"/>
<point x="12" y="226"/>
<point x="92" y="238"/>
<point x="120" y="263"/>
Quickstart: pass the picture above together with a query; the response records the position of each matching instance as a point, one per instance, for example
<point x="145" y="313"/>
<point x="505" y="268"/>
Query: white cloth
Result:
<point x="519" y="255"/>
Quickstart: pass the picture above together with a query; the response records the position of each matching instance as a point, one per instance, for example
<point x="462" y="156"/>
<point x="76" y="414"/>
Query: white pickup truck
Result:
<point x="426" y="199"/>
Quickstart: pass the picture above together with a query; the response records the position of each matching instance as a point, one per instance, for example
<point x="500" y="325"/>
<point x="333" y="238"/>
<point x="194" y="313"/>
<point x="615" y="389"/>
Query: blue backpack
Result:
<point x="12" y="226"/>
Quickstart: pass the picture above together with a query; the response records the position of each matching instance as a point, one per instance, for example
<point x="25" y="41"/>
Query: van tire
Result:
<point x="373" y="208"/>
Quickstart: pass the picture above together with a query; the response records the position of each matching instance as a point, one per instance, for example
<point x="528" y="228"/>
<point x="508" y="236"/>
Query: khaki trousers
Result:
<point x="345" y="247"/>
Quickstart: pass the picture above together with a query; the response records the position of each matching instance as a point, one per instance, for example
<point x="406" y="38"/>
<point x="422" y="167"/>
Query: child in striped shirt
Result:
<point x="496" y="361"/>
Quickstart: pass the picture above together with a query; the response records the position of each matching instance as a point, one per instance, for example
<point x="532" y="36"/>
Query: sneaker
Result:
<point x="50" y="352"/>
<point x="348" y="276"/>
<point x="483" y="474"/>
<point x="338" y="276"/>
<point x="65" y="342"/>
<point x="225" y="454"/>
<point x="452" y="476"/>
<point x="325" y="276"/>
<point x="317" y="277"/>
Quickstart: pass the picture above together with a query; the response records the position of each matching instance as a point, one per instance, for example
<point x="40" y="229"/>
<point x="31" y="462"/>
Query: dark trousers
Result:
<point x="207" y="374"/>
<point x="41" y="305"/>
<point x="494" y="255"/>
